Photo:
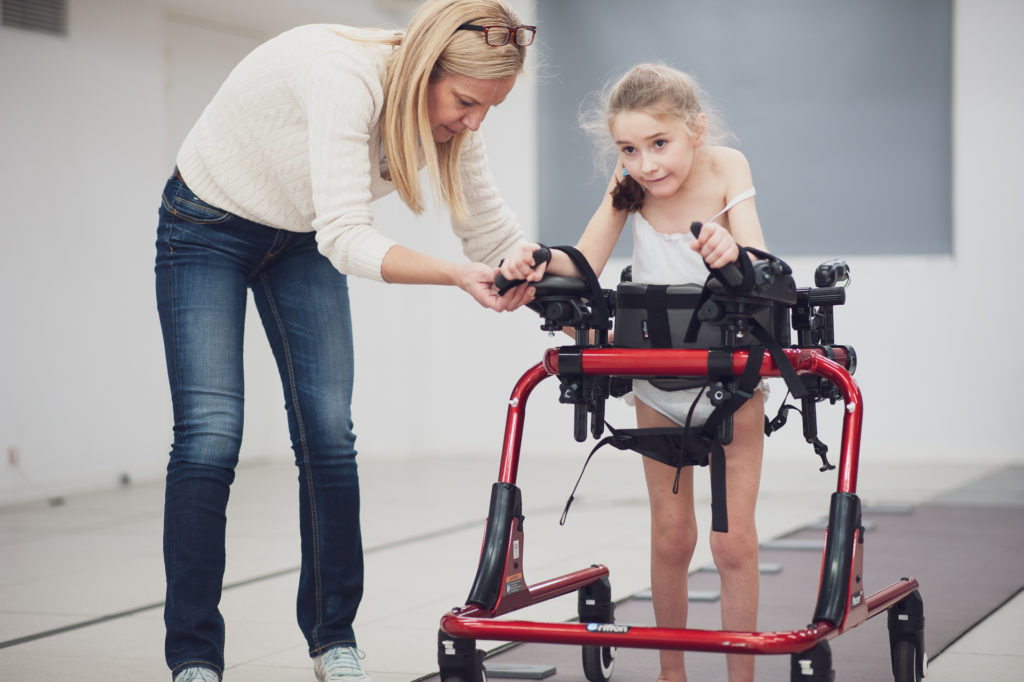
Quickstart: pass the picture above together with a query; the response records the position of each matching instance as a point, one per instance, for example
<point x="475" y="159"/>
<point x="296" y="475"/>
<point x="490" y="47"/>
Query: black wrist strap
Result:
<point x="601" y="318"/>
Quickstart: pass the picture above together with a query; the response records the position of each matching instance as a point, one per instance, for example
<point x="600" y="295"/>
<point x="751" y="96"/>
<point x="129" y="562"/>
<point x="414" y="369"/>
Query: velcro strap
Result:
<point x="656" y="298"/>
<point x="601" y="318"/>
<point x="792" y="379"/>
<point x="719" y="363"/>
<point x="693" y="328"/>
<point x="719" y="508"/>
<point x="747" y="268"/>
<point x="743" y="389"/>
<point x="674" y="300"/>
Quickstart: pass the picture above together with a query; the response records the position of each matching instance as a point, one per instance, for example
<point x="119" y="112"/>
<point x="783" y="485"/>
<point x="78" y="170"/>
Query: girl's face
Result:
<point x="657" y="152"/>
<point x="457" y="103"/>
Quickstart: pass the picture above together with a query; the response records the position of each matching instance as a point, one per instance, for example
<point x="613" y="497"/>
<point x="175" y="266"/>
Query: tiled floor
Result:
<point x="81" y="583"/>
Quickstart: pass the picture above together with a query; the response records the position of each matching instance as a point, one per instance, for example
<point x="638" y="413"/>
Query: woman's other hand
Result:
<point x="477" y="280"/>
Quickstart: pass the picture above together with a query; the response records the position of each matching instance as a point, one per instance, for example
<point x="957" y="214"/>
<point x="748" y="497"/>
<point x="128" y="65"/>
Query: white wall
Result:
<point x="87" y="131"/>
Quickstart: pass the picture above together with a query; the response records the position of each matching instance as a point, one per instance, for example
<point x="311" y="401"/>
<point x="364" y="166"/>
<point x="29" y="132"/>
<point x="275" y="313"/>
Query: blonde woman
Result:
<point x="272" y="193"/>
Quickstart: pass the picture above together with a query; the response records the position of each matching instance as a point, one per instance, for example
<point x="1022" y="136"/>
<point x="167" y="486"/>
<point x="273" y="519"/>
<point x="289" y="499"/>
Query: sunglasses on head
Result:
<point x="497" y="35"/>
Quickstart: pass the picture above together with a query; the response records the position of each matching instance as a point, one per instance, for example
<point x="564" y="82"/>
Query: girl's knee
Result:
<point x="734" y="550"/>
<point x="675" y="545"/>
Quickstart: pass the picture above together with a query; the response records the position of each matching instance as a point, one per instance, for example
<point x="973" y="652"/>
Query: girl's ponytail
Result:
<point x="628" y="195"/>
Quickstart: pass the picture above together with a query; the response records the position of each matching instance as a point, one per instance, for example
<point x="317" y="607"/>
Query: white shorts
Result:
<point x="676" y="404"/>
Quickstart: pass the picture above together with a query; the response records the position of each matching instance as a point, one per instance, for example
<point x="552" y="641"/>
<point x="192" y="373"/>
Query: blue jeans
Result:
<point x="206" y="260"/>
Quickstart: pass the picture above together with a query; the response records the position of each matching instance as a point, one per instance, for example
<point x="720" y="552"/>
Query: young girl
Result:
<point x="668" y="176"/>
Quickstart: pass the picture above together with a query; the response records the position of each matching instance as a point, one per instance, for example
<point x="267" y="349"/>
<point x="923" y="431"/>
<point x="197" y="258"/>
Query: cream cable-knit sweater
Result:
<point x="292" y="140"/>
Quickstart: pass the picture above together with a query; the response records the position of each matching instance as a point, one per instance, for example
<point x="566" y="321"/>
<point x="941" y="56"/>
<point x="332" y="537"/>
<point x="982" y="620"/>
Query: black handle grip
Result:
<point x="832" y="272"/>
<point x="826" y="296"/>
<point x="729" y="273"/>
<point x="541" y="255"/>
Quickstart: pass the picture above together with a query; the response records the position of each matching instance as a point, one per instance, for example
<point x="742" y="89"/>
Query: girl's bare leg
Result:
<point x="673" y="538"/>
<point x="736" y="552"/>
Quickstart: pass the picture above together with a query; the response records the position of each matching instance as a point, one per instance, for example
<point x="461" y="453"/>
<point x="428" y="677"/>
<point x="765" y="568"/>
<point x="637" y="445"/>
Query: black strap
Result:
<point x="719" y="508"/>
<point x="572" y="495"/>
<point x="674" y="300"/>
<point x="719" y="362"/>
<point x="746" y="268"/>
<point x="656" y="303"/>
<point x="792" y="379"/>
<point x="601" y="318"/>
<point x="674" y="446"/>
<point x="743" y="389"/>
<point x="693" y="328"/>
<point x="764" y="255"/>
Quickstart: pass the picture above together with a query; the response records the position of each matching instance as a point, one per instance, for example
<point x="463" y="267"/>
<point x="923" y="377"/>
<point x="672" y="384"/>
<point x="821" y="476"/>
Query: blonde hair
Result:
<point x="431" y="48"/>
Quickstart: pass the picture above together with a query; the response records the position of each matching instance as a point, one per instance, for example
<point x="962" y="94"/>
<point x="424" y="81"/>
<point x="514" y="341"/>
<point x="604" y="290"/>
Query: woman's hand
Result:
<point x="716" y="246"/>
<point x="477" y="280"/>
<point x="404" y="266"/>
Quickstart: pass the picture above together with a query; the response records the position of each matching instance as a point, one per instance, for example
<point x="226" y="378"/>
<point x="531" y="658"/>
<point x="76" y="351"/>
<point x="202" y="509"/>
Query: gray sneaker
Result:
<point x="197" y="674"/>
<point x="340" y="664"/>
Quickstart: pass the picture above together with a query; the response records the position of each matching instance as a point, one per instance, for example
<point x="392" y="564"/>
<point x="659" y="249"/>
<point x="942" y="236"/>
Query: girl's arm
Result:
<point x="717" y="244"/>
<point x="596" y="245"/>
<point x="603" y="230"/>
<point x="743" y="222"/>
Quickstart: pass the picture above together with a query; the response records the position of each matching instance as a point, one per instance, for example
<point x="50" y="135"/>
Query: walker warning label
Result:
<point x="513" y="583"/>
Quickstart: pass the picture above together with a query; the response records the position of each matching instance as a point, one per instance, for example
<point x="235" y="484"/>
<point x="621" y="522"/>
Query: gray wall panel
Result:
<point x="843" y="108"/>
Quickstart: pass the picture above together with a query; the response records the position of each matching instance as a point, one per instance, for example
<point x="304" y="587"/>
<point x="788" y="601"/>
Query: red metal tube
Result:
<point x="886" y="598"/>
<point x="548" y="589"/>
<point x="675" y="361"/>
<point x="718" y="641"/>
<point x="467" y="623"/>
<point x="853" y="417"/>
<point x="474" y="622"/>
<point x="509" y="468"/>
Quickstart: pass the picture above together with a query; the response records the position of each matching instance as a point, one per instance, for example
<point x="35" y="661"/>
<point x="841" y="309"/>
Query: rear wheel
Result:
<point x="594" y="605"/>
<point x="598" y="662"/>
<point x="906" y="639"/>
<point x="459" y="660"/>
<point x="813" y="665"/>
<point x="904" y="662"/>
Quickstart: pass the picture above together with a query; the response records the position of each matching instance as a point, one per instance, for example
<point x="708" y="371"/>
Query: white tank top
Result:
<point x="660" y="258"/>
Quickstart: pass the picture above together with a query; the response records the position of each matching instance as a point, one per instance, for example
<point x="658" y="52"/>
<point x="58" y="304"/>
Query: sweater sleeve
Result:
<point x="343" y="102"/>
<point x="490" y="229"/>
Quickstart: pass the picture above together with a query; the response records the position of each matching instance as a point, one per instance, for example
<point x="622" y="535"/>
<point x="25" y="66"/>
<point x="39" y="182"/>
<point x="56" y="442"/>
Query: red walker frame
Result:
<point x="842" y="604"/>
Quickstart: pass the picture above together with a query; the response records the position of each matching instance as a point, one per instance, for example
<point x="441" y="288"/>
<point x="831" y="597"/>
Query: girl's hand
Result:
<point x="477" y="280"/>
<point x="519" y="264"/>
<point x="716" y="246"/>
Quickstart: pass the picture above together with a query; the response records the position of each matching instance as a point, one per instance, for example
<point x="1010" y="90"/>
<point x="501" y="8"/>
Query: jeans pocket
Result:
<point x="185" y="205"/>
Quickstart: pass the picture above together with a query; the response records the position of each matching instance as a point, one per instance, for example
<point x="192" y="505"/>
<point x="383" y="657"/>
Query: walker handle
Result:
<point x="729" y="273"/>
<point x="541" y="255"/>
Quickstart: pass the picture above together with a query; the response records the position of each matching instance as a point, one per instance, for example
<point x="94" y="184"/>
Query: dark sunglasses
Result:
<point x="497" y="35"/>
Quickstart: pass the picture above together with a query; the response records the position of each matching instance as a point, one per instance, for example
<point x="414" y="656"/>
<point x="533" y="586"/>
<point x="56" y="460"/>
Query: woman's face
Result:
<point x="458" y="103"/>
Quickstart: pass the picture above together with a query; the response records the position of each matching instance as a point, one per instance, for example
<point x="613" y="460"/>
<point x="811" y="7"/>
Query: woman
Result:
<point x="271" y="193"/>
